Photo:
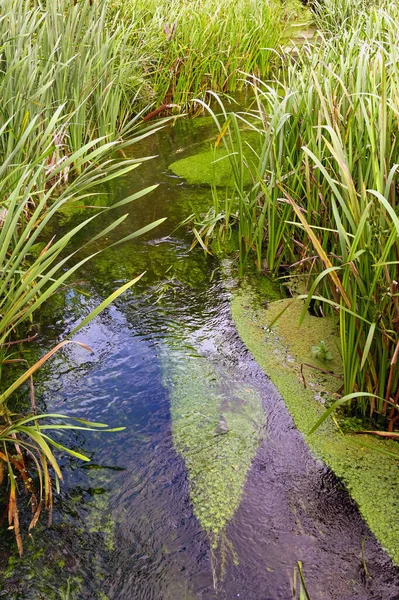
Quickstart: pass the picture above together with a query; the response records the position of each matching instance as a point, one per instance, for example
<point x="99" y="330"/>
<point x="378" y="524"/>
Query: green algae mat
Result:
<point x="364" y="463"/>
<point x="211" y="166"/>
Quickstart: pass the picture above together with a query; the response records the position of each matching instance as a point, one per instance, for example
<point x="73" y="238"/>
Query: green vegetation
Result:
<point x="75" y="80"/>
<point x="367" y="465"/>
<point x="218" y="435"/>
<point x="299" y="590"/>
<point x="322" y="209"/>
<point x="64" y="116"/>
<point x="191" y="47"/>
<point x="210" y="167"/>
<point x="312" y="188"/>
<point x="65" y="81"/>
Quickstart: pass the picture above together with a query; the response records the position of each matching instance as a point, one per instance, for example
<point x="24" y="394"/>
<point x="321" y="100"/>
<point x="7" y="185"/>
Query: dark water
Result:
<point x="124" y="526"/>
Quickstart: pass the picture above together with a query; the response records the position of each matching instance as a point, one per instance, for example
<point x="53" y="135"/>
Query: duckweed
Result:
<point x="370" y="476"/>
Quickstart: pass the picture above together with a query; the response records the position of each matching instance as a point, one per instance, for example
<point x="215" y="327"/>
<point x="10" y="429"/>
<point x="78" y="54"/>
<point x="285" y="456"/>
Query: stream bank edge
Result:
<point x="369" y="476"/>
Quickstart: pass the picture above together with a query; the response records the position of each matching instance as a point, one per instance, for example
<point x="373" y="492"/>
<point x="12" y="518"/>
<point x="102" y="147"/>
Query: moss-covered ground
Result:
<point x="362" y="462"/>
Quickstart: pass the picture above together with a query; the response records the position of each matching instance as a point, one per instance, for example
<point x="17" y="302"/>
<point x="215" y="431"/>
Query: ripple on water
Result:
<point x="124" y="524"/>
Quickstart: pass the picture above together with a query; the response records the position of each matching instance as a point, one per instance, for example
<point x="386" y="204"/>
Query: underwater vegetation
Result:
<point x="217" y="432"/>
<point x="212" y="167"/>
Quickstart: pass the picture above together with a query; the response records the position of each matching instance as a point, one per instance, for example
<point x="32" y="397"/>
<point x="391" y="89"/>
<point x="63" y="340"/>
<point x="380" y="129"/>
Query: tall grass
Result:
<point x="107" y="60"/>
<point x="324" y="194"/>
<point x="32" y="195"/>
<point x="56" y="58"/>
<point x="192" y="47"/>
<point x="66" y="115"/>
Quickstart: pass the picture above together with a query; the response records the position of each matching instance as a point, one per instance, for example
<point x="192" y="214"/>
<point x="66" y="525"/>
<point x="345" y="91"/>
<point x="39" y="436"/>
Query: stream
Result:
<point x="209" y="491"/>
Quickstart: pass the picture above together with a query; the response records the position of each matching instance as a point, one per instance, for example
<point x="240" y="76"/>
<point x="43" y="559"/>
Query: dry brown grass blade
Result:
<point x="320" y="251"/>
<point x="13" y="518"/>
<point x="19" y="463"/>
<point x="384" y="434"/>
<point x="36" y="516"/>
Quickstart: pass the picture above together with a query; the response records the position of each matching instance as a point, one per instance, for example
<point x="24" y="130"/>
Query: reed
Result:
<point x="197" y="46"/>
<point x="32" y="196"/>
<point x="61" y="59"/>
<point x="66" y="102"/>
<point x="324" y="194"/>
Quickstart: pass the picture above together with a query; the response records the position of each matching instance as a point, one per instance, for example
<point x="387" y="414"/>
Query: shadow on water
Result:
<point x="137" y="521"/>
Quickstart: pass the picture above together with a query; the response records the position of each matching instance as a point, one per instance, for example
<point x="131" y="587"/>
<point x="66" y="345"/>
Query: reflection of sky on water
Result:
<point x="124" y="524"/>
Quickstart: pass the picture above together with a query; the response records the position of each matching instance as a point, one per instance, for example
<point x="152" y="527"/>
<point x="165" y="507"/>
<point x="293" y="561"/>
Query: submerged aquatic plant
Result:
<point x="217" y="432"/>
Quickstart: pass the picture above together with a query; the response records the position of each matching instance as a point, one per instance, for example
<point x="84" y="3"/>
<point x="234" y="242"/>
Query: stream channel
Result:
<point x="210" y="491"/>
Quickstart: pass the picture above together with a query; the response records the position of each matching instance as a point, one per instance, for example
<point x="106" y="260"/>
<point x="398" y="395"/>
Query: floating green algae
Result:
<point x="212" y="167"/>
<point x="201" y="169"/>
<point x="217" y="427"/>
<point x="358" y="460"/>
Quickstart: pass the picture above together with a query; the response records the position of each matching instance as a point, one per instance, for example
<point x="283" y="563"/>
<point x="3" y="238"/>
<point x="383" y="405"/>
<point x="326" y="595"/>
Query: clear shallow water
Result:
<point x="124" y="525"/>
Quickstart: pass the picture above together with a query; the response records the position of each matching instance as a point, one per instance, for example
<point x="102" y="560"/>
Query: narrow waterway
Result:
<point x="209" y="492"/>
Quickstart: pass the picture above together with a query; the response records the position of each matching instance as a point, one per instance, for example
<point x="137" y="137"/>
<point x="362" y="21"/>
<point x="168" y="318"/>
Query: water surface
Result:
<point x="128" y="524"/>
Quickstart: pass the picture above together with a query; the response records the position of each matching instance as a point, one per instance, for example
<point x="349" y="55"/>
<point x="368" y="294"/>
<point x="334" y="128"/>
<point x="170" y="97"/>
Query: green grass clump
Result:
<point x="324" y="200"/>
<point x="192" y="47"/>
<point x="65" y="73"/>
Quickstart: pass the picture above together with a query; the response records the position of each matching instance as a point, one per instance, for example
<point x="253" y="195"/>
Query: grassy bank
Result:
<point x="321" y="210"/>
<point x="189" y="48"/>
